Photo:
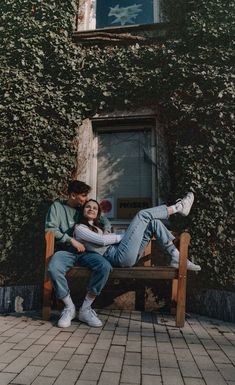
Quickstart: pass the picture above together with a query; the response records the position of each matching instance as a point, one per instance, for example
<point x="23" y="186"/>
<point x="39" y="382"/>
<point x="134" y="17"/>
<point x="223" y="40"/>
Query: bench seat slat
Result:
<point x="161" y="272"/>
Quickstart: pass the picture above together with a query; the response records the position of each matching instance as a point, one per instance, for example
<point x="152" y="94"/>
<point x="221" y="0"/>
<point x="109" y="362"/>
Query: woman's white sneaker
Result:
<point x="185" y="204"/>
<point x="190" y="265"/>
<point x="89" y="316"/>
<point x="67" y="315"/>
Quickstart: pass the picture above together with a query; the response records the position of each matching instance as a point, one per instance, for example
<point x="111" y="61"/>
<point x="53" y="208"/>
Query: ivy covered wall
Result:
<point x="49" y="85"/>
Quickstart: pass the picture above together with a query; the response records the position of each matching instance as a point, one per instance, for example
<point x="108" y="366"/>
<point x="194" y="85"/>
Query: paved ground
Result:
<point x="131" y="348"/>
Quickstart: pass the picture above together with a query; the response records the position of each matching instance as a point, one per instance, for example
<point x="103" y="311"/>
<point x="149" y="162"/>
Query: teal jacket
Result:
<point x="62" y="218"/>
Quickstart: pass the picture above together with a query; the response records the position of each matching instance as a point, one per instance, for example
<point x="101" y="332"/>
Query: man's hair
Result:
<point x="78" y="187"/>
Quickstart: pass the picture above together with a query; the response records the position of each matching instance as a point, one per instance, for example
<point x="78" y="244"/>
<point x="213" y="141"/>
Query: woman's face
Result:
<point x="90" y="210"/>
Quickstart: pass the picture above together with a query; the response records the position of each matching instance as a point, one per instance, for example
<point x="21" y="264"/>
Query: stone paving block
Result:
<point x="64" y="354"/>
<point x="189" y="369"/>
<point x="84" y="349"/>
<point x="210" y="345"/>
<point x="90" y="339"/>
<point x="54" y="346"/>
<point x="114" y="359"/>
<point x="183" y="355"/>
<point x="219" y="357"/>
<point x="134" y="336"/>
<point x="84" y="382"/>
<point x="197" y="350"/>
<point x="150" y="367"/>
<point x="2" y="366"/>
<point x="132" y="358"/>
<point x="44" y="340"/>
<point x="53" y="331"/>
<point x="41" y="380"/>
<point x="77" y="362"/>
<point x="5" y="378"/>
<point x="229" y="351"/>
<point x="227" y="371"/>
<point x="33" y="351"/>
<point x="148" y="341"/>
<point x="24" y="344"/>
<point x="36" y="334"/>
<point x="205" y="363"/>
<point x="3" y="339"/>
<point x="171" y="376"/>
<point x="73" y="342"/>
<point x="194" y="381"/>
<point x="98" y="356"/>
<point x="62" y="336"/>
<point x="130" y="374"/>
<point x="121" y="330"/>
<point x="119" y="340"/>
<point x="133" y="346"/>
<point x="149" y="352"/>
<point x="91" y="371"/>
<point x="10" y="332"/>
<point x="162" y="337"/>
<point x="43" y="358"/>
<point x="103" y="344"/>
<point x="222" y="341"/>
<point x="192" y="339"/>
<point x="213" y="377"/>
<point x="5" y="347"/>
<point x="165" y="347"/>
<point x="167" y="360"/>
<point x="17" y="337"/>
<point x="151" y="380"/>
<point x="10" y="356"/>
<point x="54" y="368"/>
<point x="68" y="377"/>
<point x="17" y="365"/>
<point x="80" y="332"/>
<point x="27" y="375"/>
<point x="106" y="334"/>
<point x="108" y="378"/>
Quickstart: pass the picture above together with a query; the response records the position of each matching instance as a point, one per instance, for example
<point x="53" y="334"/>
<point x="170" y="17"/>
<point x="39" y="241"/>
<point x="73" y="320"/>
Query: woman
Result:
<point x="125" y="250"/>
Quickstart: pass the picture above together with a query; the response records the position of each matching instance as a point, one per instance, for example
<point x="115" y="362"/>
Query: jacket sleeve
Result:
<point x="53" y="224"/>
<point x="83" y="233"/>
<point x="106" y="223"/>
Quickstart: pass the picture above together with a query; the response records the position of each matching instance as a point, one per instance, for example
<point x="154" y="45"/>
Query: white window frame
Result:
<point x="93" y="171"/>
<point x="87" y="16"/>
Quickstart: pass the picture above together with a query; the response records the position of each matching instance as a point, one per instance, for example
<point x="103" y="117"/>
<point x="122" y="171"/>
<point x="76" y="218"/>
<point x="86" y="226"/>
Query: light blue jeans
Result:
<point x="62" y="261"/>
<point x="146" y="224"/>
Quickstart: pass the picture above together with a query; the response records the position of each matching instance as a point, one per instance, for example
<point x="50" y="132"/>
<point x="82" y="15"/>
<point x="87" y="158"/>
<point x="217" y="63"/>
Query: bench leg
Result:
<point x="47" y="293"/>
<point x="181" y="300"/>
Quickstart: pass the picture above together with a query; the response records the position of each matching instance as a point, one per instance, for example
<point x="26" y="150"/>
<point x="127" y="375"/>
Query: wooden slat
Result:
<point x="181" y="296"/>
<point x="47" y="287"/>
<point x="131" y="272"/>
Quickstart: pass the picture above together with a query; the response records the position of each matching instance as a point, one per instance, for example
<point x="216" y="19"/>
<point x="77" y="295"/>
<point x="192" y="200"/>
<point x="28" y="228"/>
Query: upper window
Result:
<point x="99" y="14"/>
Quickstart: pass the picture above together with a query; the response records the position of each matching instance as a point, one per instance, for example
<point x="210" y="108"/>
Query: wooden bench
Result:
<point x="146" y="272"/>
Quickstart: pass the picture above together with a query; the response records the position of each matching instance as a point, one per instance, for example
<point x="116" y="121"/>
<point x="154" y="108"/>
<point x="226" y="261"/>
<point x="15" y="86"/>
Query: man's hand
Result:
<point x="77" y="245"/>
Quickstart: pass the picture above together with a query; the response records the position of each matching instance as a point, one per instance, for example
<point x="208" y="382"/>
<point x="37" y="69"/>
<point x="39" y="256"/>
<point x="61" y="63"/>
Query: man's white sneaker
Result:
<point x="190" y="265"/>
<point x="67" y="315"/>
<point x="186" y="204"/>
<point x="89" y="316"/>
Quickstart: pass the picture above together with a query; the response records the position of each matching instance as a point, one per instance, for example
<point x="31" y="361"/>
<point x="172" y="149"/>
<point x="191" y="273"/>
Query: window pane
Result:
<point x="111" y="13"/>
<point x="124" y="166"/>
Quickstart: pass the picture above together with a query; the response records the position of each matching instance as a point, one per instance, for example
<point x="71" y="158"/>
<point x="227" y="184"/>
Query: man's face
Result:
<point x="79" y="199"/>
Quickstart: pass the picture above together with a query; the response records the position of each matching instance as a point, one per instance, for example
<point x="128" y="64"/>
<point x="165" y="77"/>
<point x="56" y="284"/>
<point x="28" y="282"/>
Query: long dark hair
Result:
<point x="96" y="221"/>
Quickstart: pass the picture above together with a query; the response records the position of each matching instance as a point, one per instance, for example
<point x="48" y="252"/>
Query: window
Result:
<point x="125" y="171"/>
<point x="99" y="14"/>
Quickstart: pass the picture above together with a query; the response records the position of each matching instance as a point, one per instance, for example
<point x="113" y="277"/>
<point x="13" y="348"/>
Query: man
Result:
<point x="61" y="218"/>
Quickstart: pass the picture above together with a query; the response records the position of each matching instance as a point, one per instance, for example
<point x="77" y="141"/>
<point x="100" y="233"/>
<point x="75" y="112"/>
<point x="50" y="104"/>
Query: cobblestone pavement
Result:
<point x="131" y="348"/>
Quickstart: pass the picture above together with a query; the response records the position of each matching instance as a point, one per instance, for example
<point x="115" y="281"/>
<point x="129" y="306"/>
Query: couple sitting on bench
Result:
<point x="86" y="240"/>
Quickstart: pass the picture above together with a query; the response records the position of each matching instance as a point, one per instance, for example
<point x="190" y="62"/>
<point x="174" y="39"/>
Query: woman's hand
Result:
<point x="77" y="245"/>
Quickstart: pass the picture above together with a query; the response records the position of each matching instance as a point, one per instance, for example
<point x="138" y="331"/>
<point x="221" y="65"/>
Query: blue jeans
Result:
<point x="142" y="228"/>
<point x="62" y="261"/>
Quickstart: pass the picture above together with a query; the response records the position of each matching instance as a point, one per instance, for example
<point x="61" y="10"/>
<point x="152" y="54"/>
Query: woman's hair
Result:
<point x="96" y="221"/>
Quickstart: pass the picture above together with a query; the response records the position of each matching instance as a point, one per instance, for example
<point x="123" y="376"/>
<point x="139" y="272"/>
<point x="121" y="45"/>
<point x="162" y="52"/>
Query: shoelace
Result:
<point x="66" y="311"/>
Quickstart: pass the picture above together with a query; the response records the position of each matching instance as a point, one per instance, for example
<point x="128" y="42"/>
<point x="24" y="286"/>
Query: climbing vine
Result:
<point x="49" y="85"/>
